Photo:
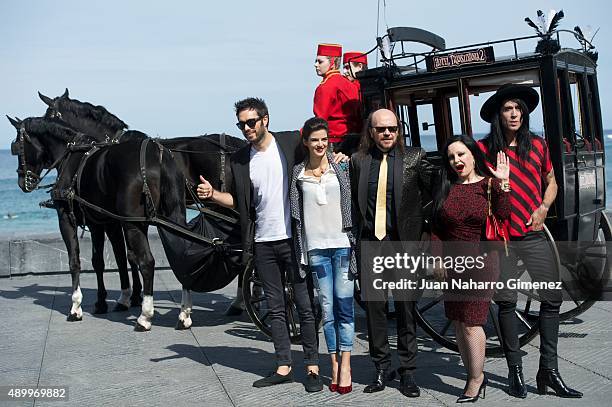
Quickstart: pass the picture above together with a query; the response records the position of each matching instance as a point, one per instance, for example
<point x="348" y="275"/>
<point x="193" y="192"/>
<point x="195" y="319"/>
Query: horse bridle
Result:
<point x="31" y="179"/>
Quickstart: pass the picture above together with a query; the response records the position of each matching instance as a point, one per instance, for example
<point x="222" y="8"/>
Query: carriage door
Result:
<point x="588" y="148"/>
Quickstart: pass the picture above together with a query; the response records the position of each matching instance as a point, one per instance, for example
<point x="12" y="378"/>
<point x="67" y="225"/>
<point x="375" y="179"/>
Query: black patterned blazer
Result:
<point x="414" y="177"/>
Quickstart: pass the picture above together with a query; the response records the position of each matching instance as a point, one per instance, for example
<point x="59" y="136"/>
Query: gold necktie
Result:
<point x="380" y="216"/>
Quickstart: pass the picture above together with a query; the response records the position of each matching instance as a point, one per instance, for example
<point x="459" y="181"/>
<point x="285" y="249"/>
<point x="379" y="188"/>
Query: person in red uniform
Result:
<point x="336" y="99"/>
<point x="353" y="62"/>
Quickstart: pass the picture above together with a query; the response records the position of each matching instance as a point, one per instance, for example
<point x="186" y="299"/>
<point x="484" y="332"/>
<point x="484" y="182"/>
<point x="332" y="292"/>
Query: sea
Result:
<point x="21" y="215"/>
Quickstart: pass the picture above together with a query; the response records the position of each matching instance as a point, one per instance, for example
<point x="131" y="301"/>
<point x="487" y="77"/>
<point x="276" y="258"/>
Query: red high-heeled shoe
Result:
<point x="346" y="389"/>
<point x="333" y="387"/>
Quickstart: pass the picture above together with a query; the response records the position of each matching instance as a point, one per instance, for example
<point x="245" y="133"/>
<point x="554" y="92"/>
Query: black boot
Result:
<point x="516" y="382"/>
<point x="551" y="378"/>
<point x="380" y="380"/>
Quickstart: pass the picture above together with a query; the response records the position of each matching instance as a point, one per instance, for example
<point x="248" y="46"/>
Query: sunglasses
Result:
<point x="250" y="122"/>
<point x="392" y="129"/>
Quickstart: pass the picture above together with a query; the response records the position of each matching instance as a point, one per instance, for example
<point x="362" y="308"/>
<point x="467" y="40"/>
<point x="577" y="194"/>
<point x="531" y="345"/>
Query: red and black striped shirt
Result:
<point x="525" y="181"/>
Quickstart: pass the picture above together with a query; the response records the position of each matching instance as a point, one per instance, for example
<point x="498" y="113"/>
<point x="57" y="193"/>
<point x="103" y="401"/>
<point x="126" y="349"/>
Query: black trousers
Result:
<point x="534" y="251"/>
<point x="378" y="339"/>
<point x="276" y="263"/>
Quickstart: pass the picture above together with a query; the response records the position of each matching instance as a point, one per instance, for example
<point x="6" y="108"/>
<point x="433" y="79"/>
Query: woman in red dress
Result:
<point x="461" y="207"/>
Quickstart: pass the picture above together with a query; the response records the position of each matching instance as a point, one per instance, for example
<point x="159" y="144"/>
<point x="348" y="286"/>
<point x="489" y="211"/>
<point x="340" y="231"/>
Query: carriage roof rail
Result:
<point x="416" y="59"/>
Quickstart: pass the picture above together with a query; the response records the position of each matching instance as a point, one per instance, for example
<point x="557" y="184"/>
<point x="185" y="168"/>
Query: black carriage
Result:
<point x="439" y="93"/>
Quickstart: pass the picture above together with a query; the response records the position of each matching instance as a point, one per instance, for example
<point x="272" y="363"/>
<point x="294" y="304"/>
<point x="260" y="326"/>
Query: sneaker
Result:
<point x="313" y="382"/>
<point x="274" y="378"/>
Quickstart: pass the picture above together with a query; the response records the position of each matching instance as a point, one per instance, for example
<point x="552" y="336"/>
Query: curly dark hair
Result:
<point x="256" y="104"/>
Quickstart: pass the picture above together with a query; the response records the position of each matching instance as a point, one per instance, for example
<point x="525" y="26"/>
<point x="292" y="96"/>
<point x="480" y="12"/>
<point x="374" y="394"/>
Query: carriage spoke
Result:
<point x="527" y="307"/>
<point x="569" y="292"/>
<point x="264" y="316"/>
<point x="529" y="294"/>
<point x="291" y="319"/>
<point x="496" y="324"/>
<point x="445" y="328"/>
<point x="431" y="304"/>
<point x="522" y="318"/>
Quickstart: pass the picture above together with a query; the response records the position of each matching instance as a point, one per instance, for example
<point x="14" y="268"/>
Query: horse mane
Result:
<point x="232" y="143"/>
<point x="54" y="127"/>
<point x="97" y="114"/>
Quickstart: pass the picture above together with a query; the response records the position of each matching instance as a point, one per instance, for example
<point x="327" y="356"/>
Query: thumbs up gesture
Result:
<point x="205" y="190"/>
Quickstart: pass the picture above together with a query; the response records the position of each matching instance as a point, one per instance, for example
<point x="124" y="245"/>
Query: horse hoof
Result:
<point x="120" y="308"/>
<point x="136" y="301"/>
<point x="100" y="308"/>
<point x="140" y="328"/>
<point x="180" y="326"/>
<point x="74" y="318"/>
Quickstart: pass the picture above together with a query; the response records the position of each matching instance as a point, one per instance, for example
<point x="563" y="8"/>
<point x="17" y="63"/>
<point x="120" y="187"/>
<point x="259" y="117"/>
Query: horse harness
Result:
<point x="71" y="193"/>
<point x="223" y="151"/>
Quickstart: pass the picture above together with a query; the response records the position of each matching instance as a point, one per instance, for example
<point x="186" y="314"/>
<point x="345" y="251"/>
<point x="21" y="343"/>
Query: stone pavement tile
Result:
<point x="26" y="309"/>
<point x="103" y="360"/>
<point x="215" y="363"/>
<point x="143" y="385"/>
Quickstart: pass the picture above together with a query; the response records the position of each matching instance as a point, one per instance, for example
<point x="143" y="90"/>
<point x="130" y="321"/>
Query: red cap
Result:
<point x="330" y="50"/>
<point x="355" y="56"/>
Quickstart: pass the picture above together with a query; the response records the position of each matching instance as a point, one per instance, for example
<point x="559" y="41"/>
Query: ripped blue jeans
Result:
<point x="330" y="269"/>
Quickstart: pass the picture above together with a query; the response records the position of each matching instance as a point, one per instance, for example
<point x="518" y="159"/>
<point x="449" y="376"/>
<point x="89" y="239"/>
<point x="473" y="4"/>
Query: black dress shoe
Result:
<point x="274" y="378"/>
<point x="473" y="399"/>
<point x="551" y="378"/>
<point x="408" y="387"/>
<point x="516" y="382"/>
<point x="380" y="380"/>
<point x="313" y="383"/>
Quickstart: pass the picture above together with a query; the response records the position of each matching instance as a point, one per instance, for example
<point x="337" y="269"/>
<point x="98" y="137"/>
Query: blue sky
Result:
<point x="175" y="69"/>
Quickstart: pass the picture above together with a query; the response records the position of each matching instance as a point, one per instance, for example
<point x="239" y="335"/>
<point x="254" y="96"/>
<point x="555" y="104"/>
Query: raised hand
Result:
<point x="502" y="170"/>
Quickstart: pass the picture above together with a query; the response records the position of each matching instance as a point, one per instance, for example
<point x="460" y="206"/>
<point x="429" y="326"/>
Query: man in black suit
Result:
<point x="259" y="191"/>
<point x="388" y="181"/>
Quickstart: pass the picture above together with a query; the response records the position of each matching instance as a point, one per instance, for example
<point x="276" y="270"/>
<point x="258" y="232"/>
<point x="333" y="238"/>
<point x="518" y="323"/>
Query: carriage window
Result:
<point x="579" y="100"/>
<point x="480" y="128"/>
<point x="428" y="127"/>
<point x="567" y="112"/>
<point x="429" y="115"/>
<point x="595" y="108"/>
<point x="575" y="95"/>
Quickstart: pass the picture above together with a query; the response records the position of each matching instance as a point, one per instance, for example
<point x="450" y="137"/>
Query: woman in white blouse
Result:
<point x="321" y="214"/>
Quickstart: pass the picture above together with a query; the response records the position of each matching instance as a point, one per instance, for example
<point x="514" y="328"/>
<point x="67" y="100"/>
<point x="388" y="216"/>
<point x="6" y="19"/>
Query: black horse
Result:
<point x="206" y="156"/>
<point x="29" y="181"/>
<point x="107" y="187"/>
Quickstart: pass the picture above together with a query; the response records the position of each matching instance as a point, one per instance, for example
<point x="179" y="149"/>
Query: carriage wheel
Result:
<point x="592" y="270"/>
<point x="432" y="319"/>
<point x="257" y="306"/>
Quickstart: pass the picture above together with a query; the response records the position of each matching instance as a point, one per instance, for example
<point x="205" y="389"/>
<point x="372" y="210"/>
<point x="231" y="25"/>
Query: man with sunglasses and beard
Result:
<point x="389" y="184"/>
<point x="259" y="191"/>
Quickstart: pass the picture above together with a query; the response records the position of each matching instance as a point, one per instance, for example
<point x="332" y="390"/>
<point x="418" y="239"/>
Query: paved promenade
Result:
<point x="105" y="363"/>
